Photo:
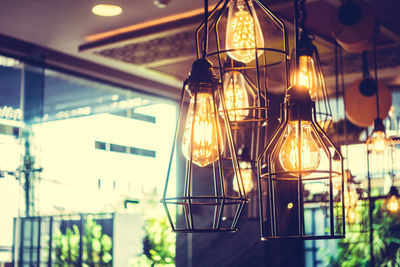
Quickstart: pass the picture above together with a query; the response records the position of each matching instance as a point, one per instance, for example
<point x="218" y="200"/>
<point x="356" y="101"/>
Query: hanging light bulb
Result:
<point x="243" y="31"/>
<point x="351" y="215"/>
<point x="306" y="75"/>
<point x="392" y="202"/>
<point x="200" y="138"/>
<point x="247" y="177"/>
<point x="378" y="142"/>
<point x="238" y="93"/>
<point x="289" y="154"/>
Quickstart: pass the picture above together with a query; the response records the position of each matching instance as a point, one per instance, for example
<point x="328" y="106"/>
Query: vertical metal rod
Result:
<point x="370" y="213"/>
<point x="38" y="240"/>
<point x="14" y="240"/>
<point x="81" y="233"/>
<point x="31" y="241"/>
<point x="50" y="259"/>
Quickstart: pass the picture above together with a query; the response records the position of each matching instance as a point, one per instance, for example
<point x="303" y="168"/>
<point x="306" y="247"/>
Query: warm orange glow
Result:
<point x="235" y="94"/>
<point x="247" y="177"/>
<point x="306" y="75"/>
<point x="393" y="204"/>
<point x="243" y="31"/>
<point x="351" y="215"/>
<point x="378" y="142"/>
<point x="107" y="10"/>
<point x="310" y="150"/>
<point x="206" y="132"/>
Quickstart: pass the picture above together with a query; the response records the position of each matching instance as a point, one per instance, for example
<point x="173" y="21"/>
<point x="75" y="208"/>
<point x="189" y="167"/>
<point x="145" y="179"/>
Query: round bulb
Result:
<point x="236" y="95"/>
<point x="310" y="150"/>
<point x="378" y="142"/>
<point x="243" y="31"/>
<point x="392" y="204"/>
<point x="247" y="177"/>
<point x="202" y="131"/>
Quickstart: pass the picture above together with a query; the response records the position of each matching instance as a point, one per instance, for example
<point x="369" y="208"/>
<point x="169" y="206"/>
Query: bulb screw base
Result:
<point x="378" y="125"/>
<point x="299" y="103"/>
<point x="202" y="77"/>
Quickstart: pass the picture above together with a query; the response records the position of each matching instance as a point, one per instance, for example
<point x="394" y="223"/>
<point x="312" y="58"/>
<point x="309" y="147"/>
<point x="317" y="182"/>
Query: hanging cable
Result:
<point x="205" y="29"/>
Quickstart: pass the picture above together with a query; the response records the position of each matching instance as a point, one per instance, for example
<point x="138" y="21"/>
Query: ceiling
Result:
<point x="69" y="27"/>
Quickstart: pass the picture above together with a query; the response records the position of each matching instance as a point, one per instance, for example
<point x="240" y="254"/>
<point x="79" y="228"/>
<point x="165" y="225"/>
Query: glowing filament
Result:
<point x="243" y="32"/>
<point x="306" y="75"/>
<point x="247" y="177"/>
<point x="289" y="153"/>
<point x="201" y="138"/>
<point x="236" y="98"/>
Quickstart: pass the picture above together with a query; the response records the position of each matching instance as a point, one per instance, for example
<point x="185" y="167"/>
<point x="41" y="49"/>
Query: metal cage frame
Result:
<point x="190" y="201"/>
<point x="298" y="110"/>
<point x="251" y="132"/>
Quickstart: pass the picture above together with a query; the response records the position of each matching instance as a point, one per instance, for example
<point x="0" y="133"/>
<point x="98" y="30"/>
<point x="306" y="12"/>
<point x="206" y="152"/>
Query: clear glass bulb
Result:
<point x="247" y="177"/>
<point x="206" y="131"/>
<point x="243" y="31"/>
<point x="378" y="142"/>
<point x="306" y="75"/>
<point x="236" y="95"/>
<point x="310" y="150"/>
<point x="392" y="204"/>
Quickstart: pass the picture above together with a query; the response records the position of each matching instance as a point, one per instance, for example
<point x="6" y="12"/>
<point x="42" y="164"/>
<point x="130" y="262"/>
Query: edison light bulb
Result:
<point x="351" y="215"/>
<point x="306" y="75"/>
<point x="235" y="93"/>
<point x="205" y="130"/>
<point x="247" y="177"/>
<point x="289" y="153"/>
<point x="392" y="204"/>
<point x="378" y="142"/>
<point x="243" y="31"/>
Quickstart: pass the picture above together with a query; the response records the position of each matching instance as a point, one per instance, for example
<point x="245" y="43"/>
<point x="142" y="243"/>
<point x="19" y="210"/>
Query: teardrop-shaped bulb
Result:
<point x="310" y="150"/>
<point x="202" y="133"/>
<point x="236" y="94"/>
<point x="247" y="177"/>
<point x="243" y="31"/>
<point x="306" y="75"/>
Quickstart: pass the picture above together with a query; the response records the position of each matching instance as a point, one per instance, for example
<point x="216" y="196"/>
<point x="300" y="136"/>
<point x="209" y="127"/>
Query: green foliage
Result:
<point x="354" y="250"/>
<point x="97" y="247"/>
<point x="159" y="240"/>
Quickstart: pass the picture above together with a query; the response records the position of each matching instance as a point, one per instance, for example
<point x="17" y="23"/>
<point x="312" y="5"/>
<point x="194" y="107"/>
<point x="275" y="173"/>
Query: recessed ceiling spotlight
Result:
<point x="161" y="3"/>
<point x="106" y="10"/>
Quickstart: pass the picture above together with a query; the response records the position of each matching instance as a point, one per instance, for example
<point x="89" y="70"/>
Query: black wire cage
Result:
<point x="204" y="141"/>
<point x="295" y="166"/>
<point x="247" y="45"/>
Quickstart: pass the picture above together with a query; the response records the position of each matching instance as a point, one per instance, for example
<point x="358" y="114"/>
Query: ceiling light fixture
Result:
<point x="377" y="142"/>
<point x="306" y="70"/>
<point x="207" y="145"/>
<point x="106" y="10"/>
<point x="298" y="159"/>
<point x="246" y="42"/>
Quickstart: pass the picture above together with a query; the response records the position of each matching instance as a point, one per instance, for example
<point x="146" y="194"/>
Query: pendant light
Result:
<point x="377" y="142"/>
<point x="306" y="70"/>
<point x="247" y="44"/>
<point x="392" y="201"/>
<point x="204" y="141"/>
<point x="299" y="159"/>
